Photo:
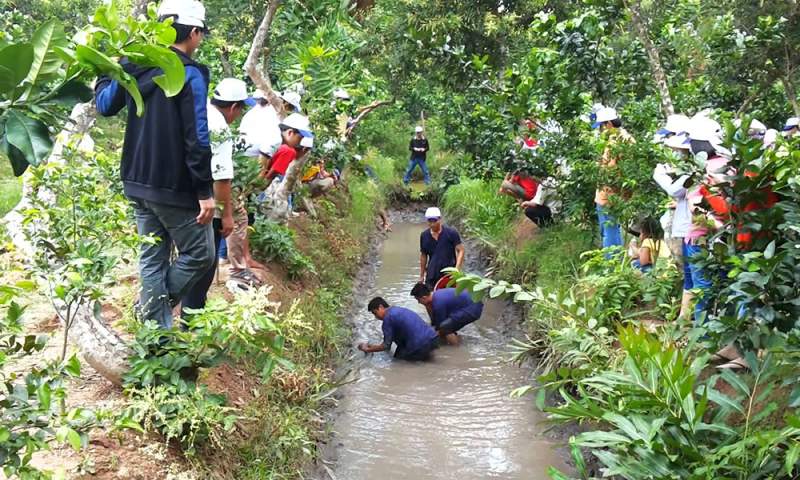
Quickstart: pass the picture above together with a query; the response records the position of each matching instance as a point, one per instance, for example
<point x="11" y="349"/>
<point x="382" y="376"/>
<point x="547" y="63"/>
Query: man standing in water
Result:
<point x="449" y="311"/>
<point x="415" y="339"/>
<point x="440" y="247"/>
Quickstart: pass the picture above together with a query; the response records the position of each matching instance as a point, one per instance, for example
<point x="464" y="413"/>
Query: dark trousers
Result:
<point x="196" y="297"/>
<point x="540" y="215"/>
<point x="418" y="355"/>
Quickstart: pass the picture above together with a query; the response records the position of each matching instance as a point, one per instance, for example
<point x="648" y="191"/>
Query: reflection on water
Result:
<point x="450" y="418"/>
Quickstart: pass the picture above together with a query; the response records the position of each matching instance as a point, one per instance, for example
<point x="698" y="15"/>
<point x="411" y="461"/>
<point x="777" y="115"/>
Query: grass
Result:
<point x="485" y="214"/>
<point x="10" y="187"/>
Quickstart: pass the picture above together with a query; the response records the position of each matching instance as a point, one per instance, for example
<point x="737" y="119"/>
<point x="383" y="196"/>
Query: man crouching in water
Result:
<point x="449" y="311"/>
<point x="415" y="339"/>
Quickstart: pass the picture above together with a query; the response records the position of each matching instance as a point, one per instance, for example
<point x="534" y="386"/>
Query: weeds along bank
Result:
<point x="238" y="395"/>
<point x="613" y="356"/>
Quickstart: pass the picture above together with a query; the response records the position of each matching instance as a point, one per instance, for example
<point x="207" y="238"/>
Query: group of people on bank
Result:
<point x="449" y="311"/>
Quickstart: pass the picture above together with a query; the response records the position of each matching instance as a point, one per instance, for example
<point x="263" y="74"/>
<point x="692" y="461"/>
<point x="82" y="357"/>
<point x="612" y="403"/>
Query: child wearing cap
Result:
<point x="293" y="129"/>
<point x="316" y="177"/>
<point x="166" y="167"/>
<point x="419" y="151"/>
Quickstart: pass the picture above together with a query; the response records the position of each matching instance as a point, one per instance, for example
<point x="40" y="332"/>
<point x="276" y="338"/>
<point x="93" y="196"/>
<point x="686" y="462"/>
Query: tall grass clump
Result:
<point x="485" y="215"/>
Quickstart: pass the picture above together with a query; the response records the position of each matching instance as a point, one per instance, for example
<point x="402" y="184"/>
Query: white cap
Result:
<point x="770" y="137"/>
<point x="605" y="114"/>
<point x="433" y="212"/>
<point x="676" y="123"/>
<point x="418" y="129"/>
<point x="755" y="126"/>
<point x="269" y="149"/>
<point x="705" y="129"/>
<point x="233" y="90"/>
<point x="341" y="93"/>
<point x="298" y="122"/>
<point x="307" y="142"/>
<point x="677" y="141"/>
<point x="186" y="12"/>
<point x="259" y="94"/>
<point x="292" y="98"/>
<point x="792" y="122"/>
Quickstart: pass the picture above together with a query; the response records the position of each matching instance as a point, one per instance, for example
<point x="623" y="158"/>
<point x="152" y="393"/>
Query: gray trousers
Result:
<point x="164" y="283"/>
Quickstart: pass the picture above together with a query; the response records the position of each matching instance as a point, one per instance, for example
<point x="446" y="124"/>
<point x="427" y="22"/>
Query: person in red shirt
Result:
<point x="519" y="185"/>
<point x="293" y="129"/>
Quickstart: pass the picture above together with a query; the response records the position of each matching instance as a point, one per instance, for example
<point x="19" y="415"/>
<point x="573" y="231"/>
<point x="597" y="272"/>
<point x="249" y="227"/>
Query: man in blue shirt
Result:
<point x="415" y="339"/>
<point x="449" y="311"/>
<point x="440" y="247"/>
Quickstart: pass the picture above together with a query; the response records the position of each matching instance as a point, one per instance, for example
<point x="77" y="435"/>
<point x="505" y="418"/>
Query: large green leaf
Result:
<point x="46" y="60"/>
<point x="15" y="157"/>
<point x="174" y="76"/>
<point x="29" y="135"/>
<point x="71" y="93"/>
<point x="15" y="63"/>
<point x="104" y="65"/>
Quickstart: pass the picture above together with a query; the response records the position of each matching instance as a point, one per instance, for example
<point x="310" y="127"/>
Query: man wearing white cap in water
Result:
<point x="440" y="247"/>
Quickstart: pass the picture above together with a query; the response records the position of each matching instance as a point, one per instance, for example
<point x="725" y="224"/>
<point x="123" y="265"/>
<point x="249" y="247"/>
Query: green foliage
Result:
<point x="272" y="241"/>
<point x="484" y="213"/>
<point x="33" y="410"/>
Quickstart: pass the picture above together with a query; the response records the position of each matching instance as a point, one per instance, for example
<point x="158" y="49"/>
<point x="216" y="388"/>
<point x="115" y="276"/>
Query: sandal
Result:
<point x="737" y="364"/>
<point x="247" y="277"/>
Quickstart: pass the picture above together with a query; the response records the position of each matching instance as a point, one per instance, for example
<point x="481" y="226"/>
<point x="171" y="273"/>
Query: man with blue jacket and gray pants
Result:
<point x="166" y="167"/>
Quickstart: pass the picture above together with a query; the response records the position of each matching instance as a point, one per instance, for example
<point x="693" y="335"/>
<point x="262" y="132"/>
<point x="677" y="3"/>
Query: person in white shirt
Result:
<point x="226" y="105"/>
<point x="260" y="125"/>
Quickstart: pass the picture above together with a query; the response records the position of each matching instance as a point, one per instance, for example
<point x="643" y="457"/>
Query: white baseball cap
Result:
<point x="341" y="93"/>
<point x="233" y="90"/>
<point x="307" y="142"/>
<point x="605" y="114"/>
<point x="186" y="12"/>
<point x="292" y="98"/>
<point x="676" y="123"/>
<point x="259" y="94"/>
<point x="298" y="122"/>
<point x="755" y="126"/>
<point x="677" y="141"/>
<point x="770" y="137"/>
<point x="433" y="212"/>
<point x="792" y="122"/>
<point x="418" y="129"/>
<point x="702" y="128"/>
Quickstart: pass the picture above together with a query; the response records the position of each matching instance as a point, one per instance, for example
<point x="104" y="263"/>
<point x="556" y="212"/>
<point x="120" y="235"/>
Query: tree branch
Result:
<point x="259" y="78"/>
<point x="363" y="112"/>
<point x="653" y="57"/>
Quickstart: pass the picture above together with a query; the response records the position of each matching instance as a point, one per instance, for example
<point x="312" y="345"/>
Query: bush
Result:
<point x="271" y="241"/>
<point x="485" y="214"/>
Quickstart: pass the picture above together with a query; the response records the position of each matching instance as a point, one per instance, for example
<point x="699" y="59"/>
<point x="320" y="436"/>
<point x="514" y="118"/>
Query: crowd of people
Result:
<point x="178" y="163"/>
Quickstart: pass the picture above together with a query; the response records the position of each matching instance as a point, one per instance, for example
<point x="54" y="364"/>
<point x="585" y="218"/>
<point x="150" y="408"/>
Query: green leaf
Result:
<point x="46" y="60"/>
<point x="15" y="157"/>
<point x="73" y="366"/>
<point x="104" y="65"/>
<point x="792" y="456"/>
<point x="71" y="93"/>
<point x="29" y="135"/>
<point x="174" y="76"/>
<point x="496" y="291"/>
<point x="43" y="393"/>
<point x="15" y="63"/>
<point x="769" y="252"/>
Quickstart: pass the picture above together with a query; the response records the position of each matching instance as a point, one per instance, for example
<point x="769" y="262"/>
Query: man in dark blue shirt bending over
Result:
<point x="415" y="339"/>
<point x="449" y="311"/>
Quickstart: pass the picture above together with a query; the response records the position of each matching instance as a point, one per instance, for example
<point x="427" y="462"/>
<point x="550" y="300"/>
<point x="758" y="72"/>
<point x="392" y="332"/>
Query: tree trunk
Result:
<point x="280" y="200"/>
<point x="653" y="57"/>
<point x="259" y="78"/>
<point x="791" y="94"/>
<point x="227" y="69"/>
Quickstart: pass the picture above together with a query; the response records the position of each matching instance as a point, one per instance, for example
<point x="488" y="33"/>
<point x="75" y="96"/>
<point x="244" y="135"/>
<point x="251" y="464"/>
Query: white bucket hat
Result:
<point x="233" y="90"/>
<point x="605" y="114"/>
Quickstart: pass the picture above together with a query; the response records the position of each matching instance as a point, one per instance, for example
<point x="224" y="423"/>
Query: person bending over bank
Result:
<point x="415" y="339"/>
<point x="449" y="311"/>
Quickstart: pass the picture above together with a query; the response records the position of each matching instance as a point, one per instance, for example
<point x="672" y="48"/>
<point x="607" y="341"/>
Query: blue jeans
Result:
<point x="223" y="249"/>
<point x="163" y="284"/>
<point x="695" y="279"/>
<point x="610" y="231"/>
<point x="412" y="164"/>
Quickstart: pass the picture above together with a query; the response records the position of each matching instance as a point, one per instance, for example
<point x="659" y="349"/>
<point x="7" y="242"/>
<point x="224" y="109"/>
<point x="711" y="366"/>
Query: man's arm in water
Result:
<point x="370" y="348"/>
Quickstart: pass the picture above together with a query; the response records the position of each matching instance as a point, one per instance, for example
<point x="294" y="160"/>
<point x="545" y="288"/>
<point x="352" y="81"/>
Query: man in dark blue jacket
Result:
<point x="449" y="311"/>
<point x="166" y="167"/>
<point x="414" y="338"/>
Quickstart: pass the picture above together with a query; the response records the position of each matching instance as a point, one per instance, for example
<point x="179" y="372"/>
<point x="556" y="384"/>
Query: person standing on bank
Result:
<point x="166" y="167"/>
<point x="226" y="105"/>
<point x="415" y="339"/>
<point x="449" y="311"/>
<point x="419" y="152"/>
<point x="440" y="247"/>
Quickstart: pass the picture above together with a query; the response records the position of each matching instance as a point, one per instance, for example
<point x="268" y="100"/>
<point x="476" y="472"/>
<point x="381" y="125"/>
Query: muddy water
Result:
<point x="451" y="418"/>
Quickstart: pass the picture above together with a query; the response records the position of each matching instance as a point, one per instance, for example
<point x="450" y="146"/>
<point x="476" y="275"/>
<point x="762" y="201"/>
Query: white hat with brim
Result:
<point x="433" y="212"/>
<point x="298" y="122"/>
<point x="677" y="141"/>
<point x="418" y="130"/>
<point x="292" y="98"/>
<point x="755" y="125"/>
<point x="233" y="90"/>
<point x="258" y="94"/>
<point x="605" y="114"/>
<point x="185" y="12"/>
<point x="705" y="129"/>
<point x="675" y="124"/>
<point x="792" y="122"/>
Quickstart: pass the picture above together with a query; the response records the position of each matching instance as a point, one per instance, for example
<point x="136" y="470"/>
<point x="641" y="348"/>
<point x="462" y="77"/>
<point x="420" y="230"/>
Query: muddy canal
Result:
<point x="451" y="418"/>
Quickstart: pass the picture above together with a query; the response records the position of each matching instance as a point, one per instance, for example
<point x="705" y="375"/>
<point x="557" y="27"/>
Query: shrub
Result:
<point x="272" y="241"/>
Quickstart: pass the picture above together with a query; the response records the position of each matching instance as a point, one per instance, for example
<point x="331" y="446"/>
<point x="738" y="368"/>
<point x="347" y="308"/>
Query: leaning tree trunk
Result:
<point x="261" y="79"/>
<point x="653" y="57"/>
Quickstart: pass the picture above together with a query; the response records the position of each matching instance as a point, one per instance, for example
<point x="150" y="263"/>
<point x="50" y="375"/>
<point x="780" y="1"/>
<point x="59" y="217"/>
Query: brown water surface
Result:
<point x="450" y="418"/>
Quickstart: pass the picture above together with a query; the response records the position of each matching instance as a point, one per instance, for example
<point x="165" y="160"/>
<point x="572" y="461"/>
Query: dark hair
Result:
<point x="697" y="146"/>
<point x="182" y="31"/>
<point x="420" y="290"/>
<point x="375" y="303"/>
<point x="616" y="122"/>
<point x="224" y="103"/>
<point x="262" y="101"/>
<point x="651" y="228"/>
